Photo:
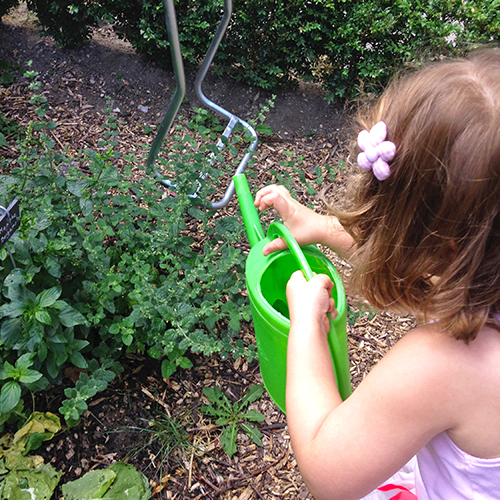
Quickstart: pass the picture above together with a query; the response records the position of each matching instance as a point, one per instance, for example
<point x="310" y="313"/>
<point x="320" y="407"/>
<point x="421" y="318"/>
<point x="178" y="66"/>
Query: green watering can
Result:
<point x="266" y="279"/>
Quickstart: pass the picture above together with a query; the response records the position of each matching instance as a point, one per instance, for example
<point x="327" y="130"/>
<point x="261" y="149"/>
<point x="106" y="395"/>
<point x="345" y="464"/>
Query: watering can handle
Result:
<point x="276" y="229"/>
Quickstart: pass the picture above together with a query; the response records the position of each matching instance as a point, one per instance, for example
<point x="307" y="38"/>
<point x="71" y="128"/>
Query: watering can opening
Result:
<point x="275" y="276"/>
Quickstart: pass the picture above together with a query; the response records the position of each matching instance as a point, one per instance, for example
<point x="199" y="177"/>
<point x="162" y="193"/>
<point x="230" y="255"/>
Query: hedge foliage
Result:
<point x="347" y="45"/>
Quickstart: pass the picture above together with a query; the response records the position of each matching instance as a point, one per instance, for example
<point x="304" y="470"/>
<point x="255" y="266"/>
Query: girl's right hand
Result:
<point x="311" y="302"/>
<point x="304" y="224"/>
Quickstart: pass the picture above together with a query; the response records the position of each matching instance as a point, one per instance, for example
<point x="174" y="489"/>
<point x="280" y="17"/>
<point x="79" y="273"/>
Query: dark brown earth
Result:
<point x="76" y="84"/>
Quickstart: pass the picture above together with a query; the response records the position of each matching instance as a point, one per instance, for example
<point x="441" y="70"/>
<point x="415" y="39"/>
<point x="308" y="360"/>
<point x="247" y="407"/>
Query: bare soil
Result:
<point x="76" y="84"/>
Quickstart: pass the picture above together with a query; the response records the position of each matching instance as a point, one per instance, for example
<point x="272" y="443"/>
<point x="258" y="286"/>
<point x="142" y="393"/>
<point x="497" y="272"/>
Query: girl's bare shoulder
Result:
<point x="462" y="379"/>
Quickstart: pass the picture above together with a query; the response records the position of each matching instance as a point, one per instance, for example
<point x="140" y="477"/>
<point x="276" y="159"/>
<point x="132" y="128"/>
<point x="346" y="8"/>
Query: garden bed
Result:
<point x="139" y="404"/>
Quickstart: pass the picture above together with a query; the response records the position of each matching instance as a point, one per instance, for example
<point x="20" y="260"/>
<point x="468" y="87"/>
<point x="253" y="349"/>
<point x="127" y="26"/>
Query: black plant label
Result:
<point x="9" y="221"/>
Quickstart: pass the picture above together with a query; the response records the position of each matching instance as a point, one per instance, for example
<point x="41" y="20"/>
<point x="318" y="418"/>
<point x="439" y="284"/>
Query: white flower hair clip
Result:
<point x="376" y="151"/>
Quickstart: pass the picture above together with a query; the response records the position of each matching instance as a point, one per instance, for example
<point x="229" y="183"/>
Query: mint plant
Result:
<point x="10" y="395"/>
<point x="234" y="416"/>
<point x="109" y="262"/>
<point x="85" y="388"/>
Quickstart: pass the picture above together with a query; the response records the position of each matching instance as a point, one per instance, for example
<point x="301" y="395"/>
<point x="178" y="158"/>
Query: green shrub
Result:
<point x="68" y="21"/>
<point x="107" y="263"/>
<point x="346" y="45"/>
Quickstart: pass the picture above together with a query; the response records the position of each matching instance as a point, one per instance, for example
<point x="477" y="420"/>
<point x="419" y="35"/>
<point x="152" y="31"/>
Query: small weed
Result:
<point x="234" y="416"/>
<point x="359" y="312"/>
<point x="166" y="439"/>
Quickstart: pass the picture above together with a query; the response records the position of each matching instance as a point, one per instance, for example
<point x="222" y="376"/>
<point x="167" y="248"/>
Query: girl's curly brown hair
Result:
<point x="429" y="236"/>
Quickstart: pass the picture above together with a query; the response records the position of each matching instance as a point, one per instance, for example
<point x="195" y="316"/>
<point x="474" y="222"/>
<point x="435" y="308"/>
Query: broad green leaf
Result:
<point x="228" y="439"/>
<point x="29" y="376"/>
<point x="9" y="371"/>
<point x="234" y="323"/>
<point x="52" y="366"/>
<point x="76" y="187"/>
<point x="11" y="331"/>
<point x="48" y="297"/>
<point x="78" y="360"/>
<point x="129" y="484"/>
<point x="42" y="351"/>
<point x="80" y="344"/>
<point x="155" y="352"/>
<point x="127" y="339"/>
<point x="25" y="361"/>
<point x="9" y="396"/>
<point x="167" y="368"/>
<point x="19" y="294"/>
<point x="86" y="206"/>
<point x="71" y="317"/>
<point x="92" y="485"/>
<point x="264" y="129"/>
<point x="31" y="484"/>
<point x="36" y="439"/>
<point x="43" y="317"/>
<point x="53" y="267"/>
<point x="87" y="392"/>
<point x="185" y="363"/>
<point x="12" y="310"/>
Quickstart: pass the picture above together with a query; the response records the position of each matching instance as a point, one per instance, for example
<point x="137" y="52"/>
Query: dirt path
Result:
<point x="107" y="66"/>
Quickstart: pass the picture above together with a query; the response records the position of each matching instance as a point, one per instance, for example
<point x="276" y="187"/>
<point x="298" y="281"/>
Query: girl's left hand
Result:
<point x="311" y="301"/>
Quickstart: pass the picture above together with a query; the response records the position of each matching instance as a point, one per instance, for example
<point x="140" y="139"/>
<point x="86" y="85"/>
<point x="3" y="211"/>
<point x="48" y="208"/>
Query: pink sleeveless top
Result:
<point x="445" y="472"/>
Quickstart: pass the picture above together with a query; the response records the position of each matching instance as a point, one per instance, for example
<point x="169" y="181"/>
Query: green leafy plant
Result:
<point x="20" y="373"/>
<point x="22" y="471"/>
<point x="85" y="388"/>
<point x="234" y="416"/>
<point x="7" y="75"/>
<point x="359" y="311"/>
<point x="68" y="21"/>
<point x="108" y="262"/>
<point x="345" y="45"/>
<point x="119" y="480"/>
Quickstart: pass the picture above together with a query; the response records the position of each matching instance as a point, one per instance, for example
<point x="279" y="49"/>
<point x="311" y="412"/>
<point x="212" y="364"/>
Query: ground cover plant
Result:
<point x="103" y="264"/>
<point x="234" y="416"/>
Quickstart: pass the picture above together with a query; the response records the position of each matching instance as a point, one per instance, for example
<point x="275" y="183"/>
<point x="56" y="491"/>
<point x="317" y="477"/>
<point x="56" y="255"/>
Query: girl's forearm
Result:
<point x="334" y="236"/>
<point x="311" y="391"/>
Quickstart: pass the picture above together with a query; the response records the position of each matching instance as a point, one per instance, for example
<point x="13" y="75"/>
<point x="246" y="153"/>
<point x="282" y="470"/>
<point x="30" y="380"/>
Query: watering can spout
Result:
<point x="251" y="219"/>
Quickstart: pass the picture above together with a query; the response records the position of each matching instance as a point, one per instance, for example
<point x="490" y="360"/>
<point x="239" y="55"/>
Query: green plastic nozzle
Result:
<point x="250" y="215"/>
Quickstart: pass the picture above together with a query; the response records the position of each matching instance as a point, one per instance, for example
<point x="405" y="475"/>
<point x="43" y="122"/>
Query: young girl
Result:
<point x="423" y="234"/>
